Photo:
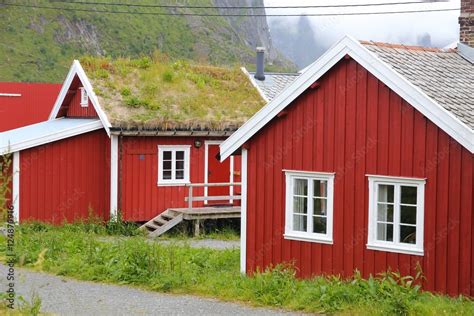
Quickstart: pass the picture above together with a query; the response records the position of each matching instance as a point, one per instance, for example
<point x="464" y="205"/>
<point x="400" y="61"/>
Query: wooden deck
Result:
<point x="209" y="212"/>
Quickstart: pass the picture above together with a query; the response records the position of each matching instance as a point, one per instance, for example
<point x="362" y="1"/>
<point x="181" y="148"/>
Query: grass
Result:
<point x="156" y="92"/>
<point x="40" y="44"/>
<point x="77" y="251"/>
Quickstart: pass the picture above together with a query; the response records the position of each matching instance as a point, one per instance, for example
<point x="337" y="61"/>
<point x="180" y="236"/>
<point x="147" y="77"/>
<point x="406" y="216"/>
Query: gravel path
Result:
<point x="64" y="296"/>
<point x="195" y="243"/>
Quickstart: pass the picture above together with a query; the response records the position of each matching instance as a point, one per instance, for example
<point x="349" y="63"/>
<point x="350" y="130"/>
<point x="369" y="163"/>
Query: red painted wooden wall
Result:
<point x="354" y="125"/>
<point x="33" y="106"/>
<point x="71" y="106"/>
<point x="141" y="197"/>
<point x="64" y="180"/>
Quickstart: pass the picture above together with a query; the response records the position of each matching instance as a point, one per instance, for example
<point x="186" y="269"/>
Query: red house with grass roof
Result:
<point x="364" y="162"/>
<point x="127" y="138"/>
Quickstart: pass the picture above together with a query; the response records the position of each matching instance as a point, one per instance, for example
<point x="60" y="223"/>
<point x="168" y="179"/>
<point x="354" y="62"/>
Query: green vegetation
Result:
<point x="27" y="308"/>
<point x="80" y="251"/>
<point x="154" y="92"/>
<point x="39" y="44"/>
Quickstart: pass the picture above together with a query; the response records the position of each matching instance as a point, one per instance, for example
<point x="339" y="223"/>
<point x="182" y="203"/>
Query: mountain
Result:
<point x="297" y="41"/>
<point x="39" y="44"/>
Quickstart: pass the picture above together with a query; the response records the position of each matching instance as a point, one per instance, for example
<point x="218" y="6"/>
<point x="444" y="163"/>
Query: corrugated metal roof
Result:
<point x="274" y="83"/>
<point x="444" y="75"/>
<point x="45" y="132"/>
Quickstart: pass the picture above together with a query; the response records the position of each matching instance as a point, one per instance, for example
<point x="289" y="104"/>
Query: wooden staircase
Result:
<point x="160" y="224"/>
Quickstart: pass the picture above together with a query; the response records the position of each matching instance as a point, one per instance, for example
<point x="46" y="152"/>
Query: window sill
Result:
<point x="407" y="251"/>
<point x="173" y="184"/>
<point x="308" y="238"/>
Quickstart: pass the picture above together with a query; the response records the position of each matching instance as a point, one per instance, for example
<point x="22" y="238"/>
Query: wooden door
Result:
<point x="217" y="172"/>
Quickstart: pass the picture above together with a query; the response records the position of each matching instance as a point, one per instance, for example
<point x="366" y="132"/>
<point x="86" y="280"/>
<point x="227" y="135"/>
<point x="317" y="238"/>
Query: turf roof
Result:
<point x="155" y="93"/>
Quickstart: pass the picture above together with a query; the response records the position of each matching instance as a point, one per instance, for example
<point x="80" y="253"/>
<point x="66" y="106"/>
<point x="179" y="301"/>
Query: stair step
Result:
<point x="167" y="216"/>
<point x="160" y="221"/>
<point x="151" y="226"/>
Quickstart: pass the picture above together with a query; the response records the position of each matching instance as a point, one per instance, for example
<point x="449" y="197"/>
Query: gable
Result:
<point x="348" y="46"/>
<point x="71" y="105"/>
<point x="66" y="102"/>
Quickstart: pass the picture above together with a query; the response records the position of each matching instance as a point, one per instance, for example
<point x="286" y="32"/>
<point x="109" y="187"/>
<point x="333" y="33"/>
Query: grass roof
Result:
<point x="155" y="93"/>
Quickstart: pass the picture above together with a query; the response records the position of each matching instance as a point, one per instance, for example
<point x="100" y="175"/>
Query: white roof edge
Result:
<point x="252" y="80"/>
<point x="90" y="126"/>
<point x="395" y="81"/>
<point x="76" y="69"/>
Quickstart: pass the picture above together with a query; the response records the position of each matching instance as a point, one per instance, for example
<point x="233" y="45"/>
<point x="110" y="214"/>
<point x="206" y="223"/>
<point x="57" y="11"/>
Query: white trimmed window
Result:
<point x="84" y="97"/>
<point x="309" y="206"/>
<point x="173" y="165"/>
<point x="396" y="211"/>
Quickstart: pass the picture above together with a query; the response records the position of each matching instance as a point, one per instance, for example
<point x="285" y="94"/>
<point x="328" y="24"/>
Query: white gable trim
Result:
<point x="399" y="84"/>
<point x="76" y="69"/>
<point x="252" y="80"/>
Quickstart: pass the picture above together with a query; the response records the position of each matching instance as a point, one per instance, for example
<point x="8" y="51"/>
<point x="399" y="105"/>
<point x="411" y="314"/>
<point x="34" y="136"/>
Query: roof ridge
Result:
<point x="409" y="47"/>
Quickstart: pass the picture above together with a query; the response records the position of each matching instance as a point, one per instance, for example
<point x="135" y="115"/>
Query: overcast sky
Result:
<point x="395" y="28"/>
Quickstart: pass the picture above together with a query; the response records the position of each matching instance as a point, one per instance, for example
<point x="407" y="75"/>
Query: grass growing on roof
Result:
<point x="79" y="252"/>
<point x="159" y="93"/>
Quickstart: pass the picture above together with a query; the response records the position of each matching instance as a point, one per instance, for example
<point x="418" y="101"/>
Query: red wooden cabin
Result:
<point x="365" y="162"/>
<point x="23" y="104"/>
<point x="85" y="159"/>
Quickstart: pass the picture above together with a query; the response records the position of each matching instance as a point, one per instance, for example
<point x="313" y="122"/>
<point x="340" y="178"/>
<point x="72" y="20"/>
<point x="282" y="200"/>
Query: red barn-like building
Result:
<point x="365" y="162"/>
<point x="93" y="154"/>
<point x="24" y="104"/>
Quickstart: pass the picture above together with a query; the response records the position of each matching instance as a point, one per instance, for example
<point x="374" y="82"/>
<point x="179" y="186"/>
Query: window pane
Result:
<point x="320" y="188"/>
<point x="166" y="165"/>
<point x="385" y="232"/>
<point x="408" y="214"/>
<point x="167" y="174"/>
<point x="319" y="225"/>
<point x="408" y="195"/>
<point x="408" y="234"/>
<point x="179" y="165"/>
<point x="300" y="187"/>
<point x="320" y="207"/>
<point x="167" y="155"/>
<point x="300" y="205"/>
<point x="179" y="174"/>
<point x="386" y="193"/>
<point x="385" y="212"/>
<point x="180" y="155"/>
<point x="299" y="223"/>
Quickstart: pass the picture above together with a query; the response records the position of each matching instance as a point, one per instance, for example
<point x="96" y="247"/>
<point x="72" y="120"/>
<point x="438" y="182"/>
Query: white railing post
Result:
<point x="190" y="197"/>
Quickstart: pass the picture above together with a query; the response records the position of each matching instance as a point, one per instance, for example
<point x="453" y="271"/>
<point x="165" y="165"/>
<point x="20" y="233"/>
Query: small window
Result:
<point x="84" y="97"/>
<point x="396" y="208"/>
<point x="309" y="206"/>
<point x="173" y="165"/>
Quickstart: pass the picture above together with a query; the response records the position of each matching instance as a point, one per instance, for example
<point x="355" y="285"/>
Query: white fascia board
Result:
<point x="76" y="69"/>
<point x="252" y="81"/>
<point x="62" y="134"/>
<point x="399" y="84"/>
<point x="268" y="112"/>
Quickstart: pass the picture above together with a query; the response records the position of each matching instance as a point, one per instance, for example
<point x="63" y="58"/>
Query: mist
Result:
<point x="303" y="46"/>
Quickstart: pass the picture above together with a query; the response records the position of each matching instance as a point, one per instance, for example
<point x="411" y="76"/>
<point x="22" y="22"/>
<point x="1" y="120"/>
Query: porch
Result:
<point x="171" y="217"/>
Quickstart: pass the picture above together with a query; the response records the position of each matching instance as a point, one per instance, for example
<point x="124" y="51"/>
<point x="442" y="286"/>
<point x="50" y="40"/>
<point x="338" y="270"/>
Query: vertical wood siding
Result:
<point x="65" y="180"/>
<point x="76" y="110"/>
<point x="141" y="197"/>
<point x="34" y="105"/>
<point x="354" y="125"/>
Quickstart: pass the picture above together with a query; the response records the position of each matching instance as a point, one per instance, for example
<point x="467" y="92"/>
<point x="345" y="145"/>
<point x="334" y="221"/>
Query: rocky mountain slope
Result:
<point x="38" y="44"/>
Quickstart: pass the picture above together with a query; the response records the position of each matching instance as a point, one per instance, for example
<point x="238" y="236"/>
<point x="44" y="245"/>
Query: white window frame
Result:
<point x="84" y="97"/>
<point x="290" y="234"/>
<point x="396" y="245"/>
<point x="173" y="149"/>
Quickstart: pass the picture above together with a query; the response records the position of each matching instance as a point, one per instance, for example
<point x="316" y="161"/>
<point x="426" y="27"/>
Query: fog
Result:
<point x="437" y="29"/>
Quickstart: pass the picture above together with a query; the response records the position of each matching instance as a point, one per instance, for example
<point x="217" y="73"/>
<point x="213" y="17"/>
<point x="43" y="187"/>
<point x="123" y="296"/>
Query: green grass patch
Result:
<point x="79" y="251"/>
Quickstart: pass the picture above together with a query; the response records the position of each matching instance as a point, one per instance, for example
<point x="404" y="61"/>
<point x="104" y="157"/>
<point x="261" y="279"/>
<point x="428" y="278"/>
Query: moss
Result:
<point x="162" y="93"/>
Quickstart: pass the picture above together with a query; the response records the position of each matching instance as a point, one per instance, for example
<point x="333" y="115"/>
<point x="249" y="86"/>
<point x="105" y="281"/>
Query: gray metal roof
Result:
<point x="274" y="83"/>
<point x="444" y="75"/>
<point x="44" y="132"/>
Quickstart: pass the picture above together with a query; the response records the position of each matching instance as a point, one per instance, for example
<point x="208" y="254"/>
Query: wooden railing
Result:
<point x="190" y="199"/>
